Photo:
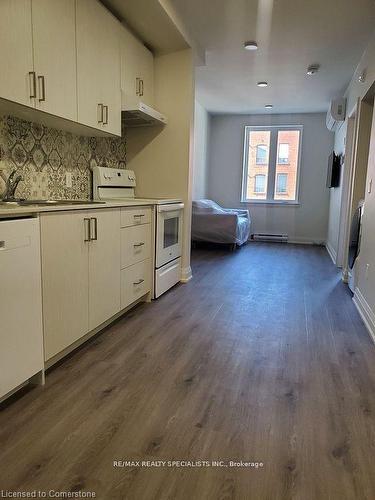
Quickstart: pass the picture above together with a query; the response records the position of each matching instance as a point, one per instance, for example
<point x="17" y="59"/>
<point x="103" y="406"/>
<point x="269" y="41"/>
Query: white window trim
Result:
<point x="273" y="152"/>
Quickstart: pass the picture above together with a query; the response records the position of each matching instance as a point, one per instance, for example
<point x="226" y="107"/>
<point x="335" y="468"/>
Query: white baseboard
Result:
<point x="295" y="240"/>
<point x="186" y="274"/>
<point x="331" y="252"/>
<point x="366" y="313"/>
<point x="305" y="241"/>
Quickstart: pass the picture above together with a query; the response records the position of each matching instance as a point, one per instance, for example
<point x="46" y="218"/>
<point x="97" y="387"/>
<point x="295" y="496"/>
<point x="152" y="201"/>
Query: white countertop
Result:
<point x="10" y="210"/>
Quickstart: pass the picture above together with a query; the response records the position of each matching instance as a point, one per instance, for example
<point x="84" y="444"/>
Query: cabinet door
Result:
<point x="21" y="333"/>
<point x="88" y="32"/>
<point x="135" y="244"/>
<point x="65" y="279"/>
<point x="98" y="67"/>
<point x="135" y="282"/>
<point x="104" y="266"/>
<point x="54" y="42"/>
<point x="137" y="71"/>
<point x="16" y="54"/>
<point x="110" y="73"/>
<point x="147" y="76"/>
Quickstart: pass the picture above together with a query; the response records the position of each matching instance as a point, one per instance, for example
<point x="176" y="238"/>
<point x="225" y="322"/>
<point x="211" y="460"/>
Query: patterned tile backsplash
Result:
<point x="44" y="155"/>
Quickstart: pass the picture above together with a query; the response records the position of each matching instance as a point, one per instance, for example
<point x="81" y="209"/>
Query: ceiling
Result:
<point x="149" y="20"/>
<point x="291" y="34"/>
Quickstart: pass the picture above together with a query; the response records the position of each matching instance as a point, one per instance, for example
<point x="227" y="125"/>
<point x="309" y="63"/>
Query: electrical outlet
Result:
<point x="68" y="180"/>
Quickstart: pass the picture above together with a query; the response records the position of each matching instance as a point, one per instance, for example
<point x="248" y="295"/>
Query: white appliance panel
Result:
<point x="167" y="276"/>
<point x="168" y="233"/>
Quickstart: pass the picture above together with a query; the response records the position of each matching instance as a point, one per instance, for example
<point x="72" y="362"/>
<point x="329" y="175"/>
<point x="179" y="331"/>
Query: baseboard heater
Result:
<point x="280" y="238"/>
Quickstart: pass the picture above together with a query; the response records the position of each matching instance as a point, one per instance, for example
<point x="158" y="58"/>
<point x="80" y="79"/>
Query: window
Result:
<point x="260" y="184"/>
<point x="271" y="164"/>
<point x="281" y="183"/>
<point x="283" y="158"/>
<point x="261" y="154"/>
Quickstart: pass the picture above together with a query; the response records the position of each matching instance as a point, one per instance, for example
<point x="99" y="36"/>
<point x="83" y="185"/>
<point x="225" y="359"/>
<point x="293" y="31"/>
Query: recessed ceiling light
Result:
<point x="268" y="106"/>
<point x="250" y="45"/>
<point x="312" y="69"/>
<point x="262" y="84"/>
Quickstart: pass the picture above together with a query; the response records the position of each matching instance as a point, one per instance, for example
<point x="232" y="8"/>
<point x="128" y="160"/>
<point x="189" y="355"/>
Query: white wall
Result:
<point x="162" y="156"/>
<point x="304" y="223"/>
<point x="364" y="296"/>
<point x="354" y="91"/>
<point x="201" y="138"/>
<point x="365" y="265"/>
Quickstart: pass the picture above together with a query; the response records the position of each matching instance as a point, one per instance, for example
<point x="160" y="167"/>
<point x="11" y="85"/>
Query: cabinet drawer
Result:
<point x="135" y="244"/>
<point x="135" y="216"/>
<point x="135" y="282"/>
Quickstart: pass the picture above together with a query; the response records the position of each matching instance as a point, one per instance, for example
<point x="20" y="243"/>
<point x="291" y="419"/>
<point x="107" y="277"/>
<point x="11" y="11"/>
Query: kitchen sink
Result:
<point x="47" y="203"/>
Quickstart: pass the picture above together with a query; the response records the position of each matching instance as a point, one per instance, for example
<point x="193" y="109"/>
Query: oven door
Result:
<point x="169" y="233"/>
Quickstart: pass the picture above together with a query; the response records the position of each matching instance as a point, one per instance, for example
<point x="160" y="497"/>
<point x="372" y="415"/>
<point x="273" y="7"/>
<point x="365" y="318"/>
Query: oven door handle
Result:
<point x="170" y="208"/>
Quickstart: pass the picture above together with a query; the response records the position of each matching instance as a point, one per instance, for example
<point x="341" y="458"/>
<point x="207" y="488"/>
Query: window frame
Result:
<point x="264" y="183"/>
<point x="267" y="155"/>
<point x="286" y="183"/>
<point x="287" y="162"/>
<point x="272" y="164"/>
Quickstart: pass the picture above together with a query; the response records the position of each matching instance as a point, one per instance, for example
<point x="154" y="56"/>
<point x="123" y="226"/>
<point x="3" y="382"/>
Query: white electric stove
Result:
<point x="111" y="184"/>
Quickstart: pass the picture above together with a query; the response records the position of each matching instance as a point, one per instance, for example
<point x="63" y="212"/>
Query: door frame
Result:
<point x="357" y="144"/>
<point x="347" y="188"/>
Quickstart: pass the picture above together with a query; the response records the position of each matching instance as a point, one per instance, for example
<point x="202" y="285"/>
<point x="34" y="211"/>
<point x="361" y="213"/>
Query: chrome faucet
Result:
<point x="11" y="184"/>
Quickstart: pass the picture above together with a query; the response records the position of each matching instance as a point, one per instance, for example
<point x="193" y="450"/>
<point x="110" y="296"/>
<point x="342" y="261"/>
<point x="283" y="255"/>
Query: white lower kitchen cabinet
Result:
<point x="135" y="282"/>
<point x="135" y="244"/>
<point x="104" y="266"/>
<point x="65" y="267"/>
<point x="21" y="333"/>
<point x="84" y="283"/>
<point x="81" y="274"/>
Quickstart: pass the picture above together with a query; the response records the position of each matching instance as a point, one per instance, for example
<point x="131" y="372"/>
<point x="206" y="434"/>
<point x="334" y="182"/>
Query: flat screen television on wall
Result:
<point x="334" y="170"/>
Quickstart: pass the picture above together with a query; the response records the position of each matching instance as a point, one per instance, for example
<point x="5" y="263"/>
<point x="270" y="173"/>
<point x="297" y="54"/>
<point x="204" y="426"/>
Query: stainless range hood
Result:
<point x="141" y="115"/>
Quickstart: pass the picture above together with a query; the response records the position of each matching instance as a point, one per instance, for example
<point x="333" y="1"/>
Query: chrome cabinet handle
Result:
<point x="42" y="88"/>
<point x="138" y="282"/>
<point x="138" y="244"/>
<point x="138" y="215"/>
<point x="32" y="81"/>
<point x="141" y="88"/>
<point x="100" y="113"/>
<point x="94" y="225"/>
<point x="105" y="120"/>
<point x="86" y="222"/>
<point x="137" y="86"/>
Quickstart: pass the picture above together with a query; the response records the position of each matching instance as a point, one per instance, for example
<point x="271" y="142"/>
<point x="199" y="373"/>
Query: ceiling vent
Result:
<point x="336" y="113"/>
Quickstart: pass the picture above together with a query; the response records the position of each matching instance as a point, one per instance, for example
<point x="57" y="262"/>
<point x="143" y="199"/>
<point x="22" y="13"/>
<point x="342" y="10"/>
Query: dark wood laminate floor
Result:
<point x="262" y="356"/>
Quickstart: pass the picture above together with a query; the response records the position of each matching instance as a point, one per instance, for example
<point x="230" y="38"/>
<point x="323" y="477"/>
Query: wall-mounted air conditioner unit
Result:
<point x="336" y="113"/>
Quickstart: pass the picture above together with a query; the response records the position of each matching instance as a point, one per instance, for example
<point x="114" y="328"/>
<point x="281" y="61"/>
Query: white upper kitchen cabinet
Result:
<point x="17" y="81"/>
<point x="98" y="67"/>
<point x="54" y="42"/>
<point x="137" y="71"/>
